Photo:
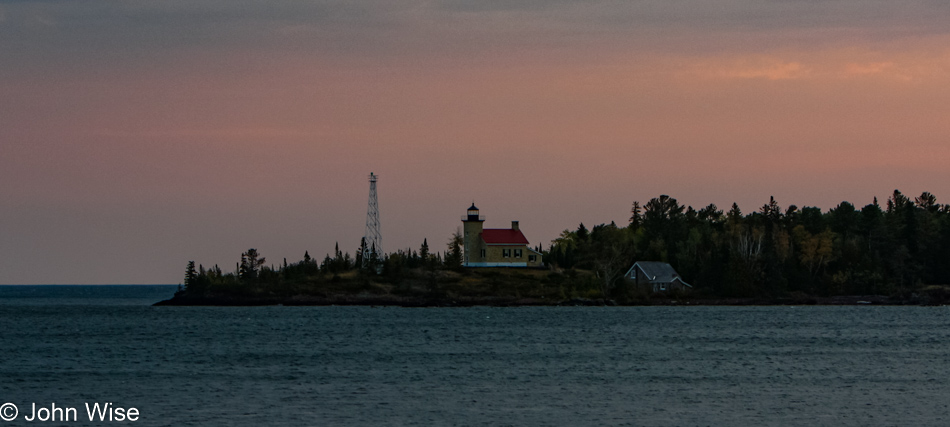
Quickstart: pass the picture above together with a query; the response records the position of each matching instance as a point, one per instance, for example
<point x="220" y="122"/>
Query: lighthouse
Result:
<point x="495" y="247"/>
<point x="472" y="230"/>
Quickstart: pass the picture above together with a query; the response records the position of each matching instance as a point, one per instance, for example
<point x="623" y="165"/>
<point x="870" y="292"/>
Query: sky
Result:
<point x="136" y="135"/>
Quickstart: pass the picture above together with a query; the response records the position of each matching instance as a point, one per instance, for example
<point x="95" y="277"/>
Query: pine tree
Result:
<point x="582" y="233"/>
<point x="424" y="252"/>
<point x="453" y="258"/>
<point x="251" y="263"/>
<point x="636" y="218"/>
<point x="191" y="278"/>
<point x="360" y="253"/>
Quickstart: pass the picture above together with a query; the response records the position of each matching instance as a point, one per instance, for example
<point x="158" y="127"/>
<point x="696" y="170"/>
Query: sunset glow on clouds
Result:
<point x="138" y="135"/>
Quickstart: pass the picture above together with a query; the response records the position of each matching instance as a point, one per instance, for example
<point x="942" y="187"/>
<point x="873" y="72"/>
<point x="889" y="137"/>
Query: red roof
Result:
<point x="503" y="236"/>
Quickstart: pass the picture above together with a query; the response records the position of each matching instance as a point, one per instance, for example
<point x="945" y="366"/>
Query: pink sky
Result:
<point x="137" y="136"/>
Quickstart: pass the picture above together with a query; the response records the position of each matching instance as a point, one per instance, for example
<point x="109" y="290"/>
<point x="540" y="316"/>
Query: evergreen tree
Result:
<point x="636" y="219"/>
<point x="734" y="213"/>
<point x="347" y="263"/>
<point x="582" y="233"/>
<point x="191" y="277"/>
<point x="927" y="202"/>
<point x="710" y="213"/>
<point x="251" y="263"/>
<point x="453" y="258"/>
<point x="372" y="265"/>
<point x="360" y="253"/>
<point x="771" y="211"/>
<point x="424" y="251"/>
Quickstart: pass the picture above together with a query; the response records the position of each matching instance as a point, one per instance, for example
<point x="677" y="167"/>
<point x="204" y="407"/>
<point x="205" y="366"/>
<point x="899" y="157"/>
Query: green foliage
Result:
<point x="424" y="252"/>
<point x="251" y="263"/>
<point x="898" y="249"/>
<point x="610" y="251"/>
<point x="774" y="251"/>
<point x="453" y="258"/>
<point x="191" y="276"/>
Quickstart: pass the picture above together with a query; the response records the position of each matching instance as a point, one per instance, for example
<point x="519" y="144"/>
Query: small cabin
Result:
<point x="653" y="276"/>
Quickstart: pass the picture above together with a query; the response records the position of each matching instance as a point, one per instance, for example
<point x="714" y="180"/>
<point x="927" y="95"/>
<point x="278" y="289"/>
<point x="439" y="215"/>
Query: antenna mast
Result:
<point x="372" y="236"/>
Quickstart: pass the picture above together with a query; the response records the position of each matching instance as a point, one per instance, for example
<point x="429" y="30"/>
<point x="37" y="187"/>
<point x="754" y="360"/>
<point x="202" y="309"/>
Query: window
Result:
<point x="662" y="286"/>
<point x="517" y="253"/>
<point x="532" y="258"/>
<point x="483" y="253"/>
<point x="506" y="253"/>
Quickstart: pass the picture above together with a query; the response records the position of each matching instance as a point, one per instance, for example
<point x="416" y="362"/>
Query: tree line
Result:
<point x="772" y="251"/>
<point x="875" y="250"/>
<point x="252" y="271"/>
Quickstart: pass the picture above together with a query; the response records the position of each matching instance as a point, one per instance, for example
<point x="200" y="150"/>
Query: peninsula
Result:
<point x="892" y="254"/>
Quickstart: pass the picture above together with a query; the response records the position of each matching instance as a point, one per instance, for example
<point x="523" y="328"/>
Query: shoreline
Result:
<point x="420" y="301"/>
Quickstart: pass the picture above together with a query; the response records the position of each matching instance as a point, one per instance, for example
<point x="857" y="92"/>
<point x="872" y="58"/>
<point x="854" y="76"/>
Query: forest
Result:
<point x="896" y="249"/>
<point x="874" y="250"/>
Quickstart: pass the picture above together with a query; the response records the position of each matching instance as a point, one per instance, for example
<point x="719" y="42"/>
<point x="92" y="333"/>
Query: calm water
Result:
<point x="302" y="366"/>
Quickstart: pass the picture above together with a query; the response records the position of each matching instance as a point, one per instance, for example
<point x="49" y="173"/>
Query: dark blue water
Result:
<point x="85" y="295"/>
<point x="302" y="366"/>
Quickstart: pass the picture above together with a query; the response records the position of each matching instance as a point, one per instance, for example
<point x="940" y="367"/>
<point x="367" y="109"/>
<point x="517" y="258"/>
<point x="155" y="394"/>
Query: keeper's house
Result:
<point x="495" y="247"/>
<point x="653" y="276"/>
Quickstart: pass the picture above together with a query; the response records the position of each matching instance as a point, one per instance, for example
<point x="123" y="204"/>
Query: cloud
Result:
<point x="371" y="26"/>
<point x="868" y="68"/>
<point x="137" y="34"/>
<point x="224" y="134"/>
<point x="823" y="65"/>
<point x="748" y="68"/>
<point x="508" y="5"/>
<point x="917" y="16"/>
<point x="181" y="103"/>
<point x="908" y="69"/>
<point x="776" y="71"/>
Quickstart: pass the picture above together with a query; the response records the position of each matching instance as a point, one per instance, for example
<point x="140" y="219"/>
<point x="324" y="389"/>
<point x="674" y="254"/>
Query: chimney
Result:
<point x="514" y="225"/>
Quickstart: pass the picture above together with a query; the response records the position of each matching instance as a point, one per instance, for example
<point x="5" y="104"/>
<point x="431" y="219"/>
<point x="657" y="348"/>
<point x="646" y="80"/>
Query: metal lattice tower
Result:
<point x="373" y="239"/>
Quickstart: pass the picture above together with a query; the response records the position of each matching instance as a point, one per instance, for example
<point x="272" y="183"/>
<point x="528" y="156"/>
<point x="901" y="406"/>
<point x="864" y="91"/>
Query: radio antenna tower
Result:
<point x="373" y="239"/>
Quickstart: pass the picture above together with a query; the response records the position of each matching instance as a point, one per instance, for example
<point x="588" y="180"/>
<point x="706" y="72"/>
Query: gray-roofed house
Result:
<point x="653" y="276"/>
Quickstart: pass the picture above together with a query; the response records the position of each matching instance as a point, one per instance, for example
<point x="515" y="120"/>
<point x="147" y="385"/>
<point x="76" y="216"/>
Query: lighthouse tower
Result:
<point x="472" y="229"/>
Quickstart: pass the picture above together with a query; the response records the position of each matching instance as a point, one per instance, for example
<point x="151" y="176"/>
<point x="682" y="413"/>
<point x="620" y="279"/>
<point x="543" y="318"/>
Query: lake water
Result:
<point x="316" y="366"/>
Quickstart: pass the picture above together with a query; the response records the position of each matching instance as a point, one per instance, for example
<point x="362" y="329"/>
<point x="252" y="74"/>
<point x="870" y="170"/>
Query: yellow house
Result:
<point x="495" y="247"/>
